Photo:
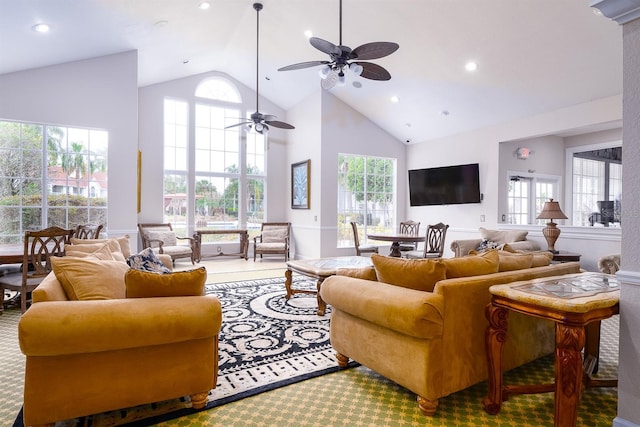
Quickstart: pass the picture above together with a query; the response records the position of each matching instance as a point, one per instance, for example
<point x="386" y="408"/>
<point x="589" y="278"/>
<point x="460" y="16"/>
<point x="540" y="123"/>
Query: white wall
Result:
<point x="97" y="93"/>
<point x="482" y="146"/>
<point x="325" y="127"/>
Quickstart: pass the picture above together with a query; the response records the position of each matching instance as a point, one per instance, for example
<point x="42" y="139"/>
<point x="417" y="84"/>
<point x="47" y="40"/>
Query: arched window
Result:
<point x="224" y="166"/>
<point x="218" y="89"/>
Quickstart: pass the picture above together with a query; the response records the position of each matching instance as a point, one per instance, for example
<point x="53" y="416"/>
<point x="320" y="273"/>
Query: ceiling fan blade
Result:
<point x="373" y="71"/>
<point x="303" y="65"/>
<point x="268" y="117"/>
<point x="325" y="46"/>
<point x="329" y="82"/>
<point x="239" y="124"/>
<point x="374" y="50"/>
<point x="279" y="124"/>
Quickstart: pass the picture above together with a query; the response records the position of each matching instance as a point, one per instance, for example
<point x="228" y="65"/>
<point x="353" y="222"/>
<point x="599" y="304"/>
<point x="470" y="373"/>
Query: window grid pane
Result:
<point x="365" y="195"/>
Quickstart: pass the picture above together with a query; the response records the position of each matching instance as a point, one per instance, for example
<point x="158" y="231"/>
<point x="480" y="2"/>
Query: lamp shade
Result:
<point x="551" y="210"/>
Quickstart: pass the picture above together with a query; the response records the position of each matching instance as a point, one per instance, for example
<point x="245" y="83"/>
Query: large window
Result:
<point x="50" y="176"/>
<point x="597" y="187"/>
<point x="218" y="179"/>
<point x="365" y="195"/>
<point x="527" y="195"/>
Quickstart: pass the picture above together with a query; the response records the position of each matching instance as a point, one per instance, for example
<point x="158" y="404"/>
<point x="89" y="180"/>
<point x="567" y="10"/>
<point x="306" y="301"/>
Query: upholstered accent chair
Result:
<point x="361" y="249"/>
<point x="88" y="231"/>
<point x="412" y="228"/>
<point x="163" y="240"/>
<point x="274" y="239"/>
<point x="39" y="247"/>
<point x="433" y="242"/>
<point x="609" y="264"/>
<point x="88" y="355"/>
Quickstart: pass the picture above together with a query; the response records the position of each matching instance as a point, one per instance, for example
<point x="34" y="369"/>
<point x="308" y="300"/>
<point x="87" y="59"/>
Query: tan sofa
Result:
<point x="517" y="241"/>
<point x="432" y="343"/>
<point x="89" y="356"/>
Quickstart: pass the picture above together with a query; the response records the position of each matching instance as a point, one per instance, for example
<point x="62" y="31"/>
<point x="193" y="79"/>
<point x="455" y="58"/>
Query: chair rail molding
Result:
<point x="621" y="11"/>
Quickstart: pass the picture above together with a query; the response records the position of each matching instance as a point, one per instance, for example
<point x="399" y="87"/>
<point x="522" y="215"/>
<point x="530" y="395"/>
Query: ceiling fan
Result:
<point x="260" y="122"/>
<point x="343" y="58"/>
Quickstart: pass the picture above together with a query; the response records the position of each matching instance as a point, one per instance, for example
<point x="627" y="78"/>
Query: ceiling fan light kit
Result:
<point x="258" y="121"/>
<point x="344" y="59"/>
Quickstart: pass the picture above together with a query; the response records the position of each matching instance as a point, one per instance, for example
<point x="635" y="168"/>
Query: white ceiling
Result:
<point x="533" y="56"/>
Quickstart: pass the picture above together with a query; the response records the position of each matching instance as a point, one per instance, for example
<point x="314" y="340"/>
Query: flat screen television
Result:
<point x="447" y="185"/>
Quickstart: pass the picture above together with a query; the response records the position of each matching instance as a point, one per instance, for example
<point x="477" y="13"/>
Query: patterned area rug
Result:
<point x="266" y="342"/>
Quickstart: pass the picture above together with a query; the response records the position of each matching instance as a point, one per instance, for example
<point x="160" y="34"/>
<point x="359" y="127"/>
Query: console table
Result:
<point x="576" y="303"/>
<point x="244" y="242"/>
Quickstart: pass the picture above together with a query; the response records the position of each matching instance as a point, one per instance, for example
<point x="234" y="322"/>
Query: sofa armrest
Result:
<point x="462" y="247"/>
<point x="411" y="312"/>
<point x="74" y="327"/>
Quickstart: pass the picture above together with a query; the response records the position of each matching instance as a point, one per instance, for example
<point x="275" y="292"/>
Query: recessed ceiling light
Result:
<point x="357" y="84"/>
<point x="41" y="28"/>
<point x="395" y="99"/>
<point x="471" y="66"/>
<point x="308" y="34"/>
<point x="185" y="61"/>
<point x="161" y="23"/>
<point x="204" y="5"/>
<point x="444" y="113"/>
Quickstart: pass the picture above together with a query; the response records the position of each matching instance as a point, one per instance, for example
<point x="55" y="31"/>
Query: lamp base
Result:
<point x="551" y="232"/>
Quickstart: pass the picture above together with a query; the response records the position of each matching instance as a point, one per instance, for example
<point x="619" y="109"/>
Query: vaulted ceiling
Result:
<point x="532" y="56"/>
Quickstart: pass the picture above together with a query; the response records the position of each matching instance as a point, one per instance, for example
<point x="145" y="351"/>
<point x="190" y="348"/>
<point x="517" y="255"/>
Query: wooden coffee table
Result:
<point x="320" y="269"/>
<point x="576" y="303"/>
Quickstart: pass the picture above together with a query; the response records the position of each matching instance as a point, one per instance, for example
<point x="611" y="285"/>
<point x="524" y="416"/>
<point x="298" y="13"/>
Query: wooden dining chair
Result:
<point x="366" y="249"/>
<point x="411" y="228"/>
<point x="39" y="247"/>
<point x="88" y="231"/>
<point x="433" y="243"/>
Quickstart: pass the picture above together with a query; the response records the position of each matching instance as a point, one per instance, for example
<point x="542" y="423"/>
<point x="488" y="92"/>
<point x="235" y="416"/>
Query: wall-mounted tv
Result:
<point x="447" y="185"/>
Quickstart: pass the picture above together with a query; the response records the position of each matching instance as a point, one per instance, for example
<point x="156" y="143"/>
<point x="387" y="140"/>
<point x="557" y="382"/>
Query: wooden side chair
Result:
<point x="274" y="238"/>
<point x="39" y="247"/>
<point x="413" y="229"/>
<point x="361" y="249"/>
<point x="433" y="243"/>
<point x="88" y="231"/>
<point x="163" y="240"/>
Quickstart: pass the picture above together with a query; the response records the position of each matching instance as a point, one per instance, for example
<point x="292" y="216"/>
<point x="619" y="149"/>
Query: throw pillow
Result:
<point x="486" y="245"/>
<point x="503" y="236"/>
<point x="96" y="250"/>
<point x="472" y="265"/>
<point x="541" y="258"/>
<point x="90" y="279"/>
<point x="509" y="261"/>
<point x="145" y="284"/>
<point x="147" y="260"/>
<point x="123" y="243"/>
<point x="366" y="273"/>
<point x="418" y="274"/>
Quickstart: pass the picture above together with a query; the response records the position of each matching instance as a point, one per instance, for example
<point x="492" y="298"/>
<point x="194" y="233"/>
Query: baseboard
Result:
<point x="620" y="422"/>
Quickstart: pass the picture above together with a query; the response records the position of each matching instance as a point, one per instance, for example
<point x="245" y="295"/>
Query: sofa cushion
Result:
<point x="146" y="284"/>
<point x="418" y="274"/>
<point x="475" y="264"/>
<point x="123" y="243"/>
<point x="89" y="278"/>
<point x="366" y="273"/>
<point x="503" y="236"/>
<point x="147" y="260"/>
<point x="96" y="250"/>
<point x="509" y="261"/>
<point x="541" y="258"/>
<point x="524" y="245"/>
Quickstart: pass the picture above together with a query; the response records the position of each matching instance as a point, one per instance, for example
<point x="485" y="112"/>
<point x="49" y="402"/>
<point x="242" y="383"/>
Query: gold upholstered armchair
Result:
<point x="89" y="356"/>
<point x="273" y="239"/>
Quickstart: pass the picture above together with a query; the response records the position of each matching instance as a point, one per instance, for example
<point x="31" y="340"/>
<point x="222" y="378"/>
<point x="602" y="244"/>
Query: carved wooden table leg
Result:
<point x="287" y="283"/>
<point x="568" y="373"/>
<point x="495" y="337"/>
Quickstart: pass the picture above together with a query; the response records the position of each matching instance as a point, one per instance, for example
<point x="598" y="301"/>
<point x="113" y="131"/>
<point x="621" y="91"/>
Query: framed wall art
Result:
<point x="300" y="184"/>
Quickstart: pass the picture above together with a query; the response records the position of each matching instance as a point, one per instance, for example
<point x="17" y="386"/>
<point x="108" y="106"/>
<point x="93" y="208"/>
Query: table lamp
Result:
<point x="551" y="211"/>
